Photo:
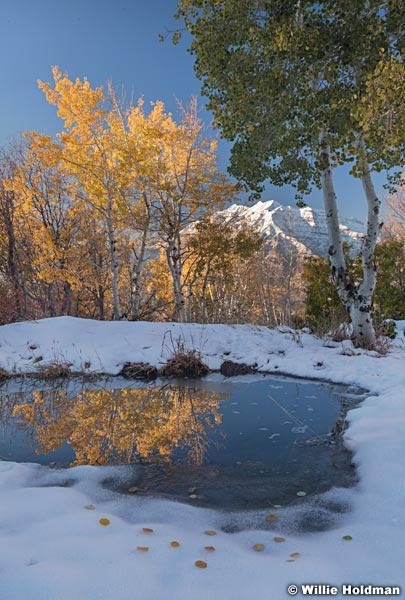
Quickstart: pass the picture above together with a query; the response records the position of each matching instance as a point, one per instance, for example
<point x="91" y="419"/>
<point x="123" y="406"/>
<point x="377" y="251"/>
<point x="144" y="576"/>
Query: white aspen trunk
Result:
<point x="204" y="292"/>
<point x="363" y="333"/>
<point x="173" y="256"/>
<point x="335" y="251"/>
<point x="140" y="258"/>
<point x="136" y="278"/>
<point x="357" y="300"/>
<point x="362" y="323"/>
<point x="114" y="268"/>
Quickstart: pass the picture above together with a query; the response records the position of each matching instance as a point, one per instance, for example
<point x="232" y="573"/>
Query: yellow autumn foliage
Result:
<point x="116" y="426"/>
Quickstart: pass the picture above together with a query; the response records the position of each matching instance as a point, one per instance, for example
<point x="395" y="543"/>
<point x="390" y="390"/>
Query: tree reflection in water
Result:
<point x="111" y="426"/>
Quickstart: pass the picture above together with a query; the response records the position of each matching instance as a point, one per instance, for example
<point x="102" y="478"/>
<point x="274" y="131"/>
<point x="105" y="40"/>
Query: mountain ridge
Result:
<point x="287" y="228"/>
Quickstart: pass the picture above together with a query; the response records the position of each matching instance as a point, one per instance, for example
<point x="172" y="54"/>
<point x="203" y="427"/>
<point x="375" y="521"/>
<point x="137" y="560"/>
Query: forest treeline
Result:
<point x="118" y="218"/>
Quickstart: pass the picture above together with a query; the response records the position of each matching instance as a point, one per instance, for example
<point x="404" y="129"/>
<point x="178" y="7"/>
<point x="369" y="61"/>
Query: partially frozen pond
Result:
<point x="242" y="444"/>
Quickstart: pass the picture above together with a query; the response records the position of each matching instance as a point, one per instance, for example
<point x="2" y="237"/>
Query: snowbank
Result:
<point x="54" y="547"/>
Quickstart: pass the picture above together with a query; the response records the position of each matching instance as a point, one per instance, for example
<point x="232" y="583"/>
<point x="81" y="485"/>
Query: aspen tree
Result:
<point x="301" y="87"/>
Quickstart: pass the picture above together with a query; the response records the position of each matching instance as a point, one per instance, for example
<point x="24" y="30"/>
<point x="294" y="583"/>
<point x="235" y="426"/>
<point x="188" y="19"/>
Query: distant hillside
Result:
<point x="285" y="226"/>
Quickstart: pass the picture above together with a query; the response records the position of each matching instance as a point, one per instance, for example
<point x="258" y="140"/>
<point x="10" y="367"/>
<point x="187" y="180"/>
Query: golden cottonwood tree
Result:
<point x="215" y="253"/>
<point x="188" y="187"/>
<point x="13" y="292"/>
<point x="53" y="256"/>
<point x="147" y="176"/>
<point x="47" y="204"/>
<point x="89" y="152"/>
<point x="176" y="181"/>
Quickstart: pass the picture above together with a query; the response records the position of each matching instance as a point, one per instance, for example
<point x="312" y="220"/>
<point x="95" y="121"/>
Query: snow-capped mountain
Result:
<point x="287" y="226"/>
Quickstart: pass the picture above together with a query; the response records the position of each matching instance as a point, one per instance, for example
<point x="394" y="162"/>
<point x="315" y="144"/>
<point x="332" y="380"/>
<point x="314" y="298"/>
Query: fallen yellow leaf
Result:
<point x="210" y="532"/>
<point x="89" y="507"/>
<point x="258" y="547"/>
<point x="271" y="518"/>
<point x="209" y="548"/>
<point x="142" y="548"/>
<point x="201" y="564"/>
<point x="104" y="522"/>
<point x="147" y="530"/>
<point x="175" y="544"/>
<point x="279" y="539"/>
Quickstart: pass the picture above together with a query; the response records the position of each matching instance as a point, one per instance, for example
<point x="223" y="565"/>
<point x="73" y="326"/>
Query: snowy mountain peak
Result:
<point x="285" y="227"/>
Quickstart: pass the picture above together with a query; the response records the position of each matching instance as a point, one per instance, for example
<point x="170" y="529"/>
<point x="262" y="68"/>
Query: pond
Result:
<point x="241" y="444"/>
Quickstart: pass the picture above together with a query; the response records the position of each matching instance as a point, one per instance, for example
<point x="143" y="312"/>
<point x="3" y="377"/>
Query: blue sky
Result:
<point x="102" y="40"/>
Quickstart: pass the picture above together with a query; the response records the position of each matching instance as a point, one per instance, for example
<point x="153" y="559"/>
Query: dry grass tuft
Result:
<point x="142" y="371"/>
<point x="383" y="345"/>
<point x="4" y="375"/>
<point x="184" y="363"/>
<point x="340" y="332"/>
<point x="53" y="371"/>
<point x="387" y="329"/>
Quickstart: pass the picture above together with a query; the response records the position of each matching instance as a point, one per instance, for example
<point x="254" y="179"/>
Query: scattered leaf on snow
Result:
<point x="142" y="548"/>
<point x="147" y="530"/>
<point x="271" y="518"/>
<point x="347" y="538"/>
<point x="89" y="507"/>
<point x="133" y="490"/>
<point x="210" y="532"/>
<point x="209" y="548"/>
<point x="103" y="521"/>
<point x="279" y="539"/>
<point x="201" y="564"/>
<point x="193" y="496"/>
<point x="301" y="493"/>
<point x="294" y="554"/>
<point x="258" y="547"/>
<point x="175" y="544"/>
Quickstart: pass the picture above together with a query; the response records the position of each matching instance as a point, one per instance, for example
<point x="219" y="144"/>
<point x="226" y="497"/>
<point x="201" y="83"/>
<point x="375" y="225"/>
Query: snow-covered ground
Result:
<point x="53" y="545"/>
